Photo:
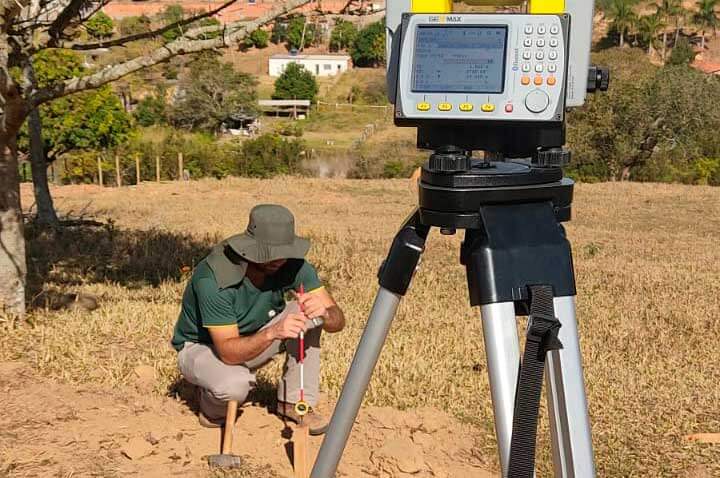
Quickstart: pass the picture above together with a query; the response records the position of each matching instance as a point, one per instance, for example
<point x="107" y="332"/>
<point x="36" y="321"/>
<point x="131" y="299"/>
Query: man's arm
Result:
<point x="319" y="303"/>
<point x="234" y="349"/>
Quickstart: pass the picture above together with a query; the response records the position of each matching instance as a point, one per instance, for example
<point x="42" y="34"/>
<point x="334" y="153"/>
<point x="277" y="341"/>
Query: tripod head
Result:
<point x="494" y="82"/>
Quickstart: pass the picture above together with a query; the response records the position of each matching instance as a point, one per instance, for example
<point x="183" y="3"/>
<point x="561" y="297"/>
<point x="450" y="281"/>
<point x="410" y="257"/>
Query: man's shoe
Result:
<point x="316" y="422"/>
<point x="210" y="422"/>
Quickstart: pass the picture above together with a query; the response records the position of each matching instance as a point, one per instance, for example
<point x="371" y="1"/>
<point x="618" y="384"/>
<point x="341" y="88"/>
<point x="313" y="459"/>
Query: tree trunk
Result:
<point x="45" y="208"/>
<point x="622" y="39"/>
<point x="13" y="268"/>
<point x="702" y="42"/>
<point x="664" y="46"/>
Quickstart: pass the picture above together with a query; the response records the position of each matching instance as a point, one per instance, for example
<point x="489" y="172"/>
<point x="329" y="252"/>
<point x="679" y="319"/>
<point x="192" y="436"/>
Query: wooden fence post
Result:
<point x="157" y="168"/>
<point x="118" y="177"/>
<point x="100" y="173"/>
<point x="137" y="169"/>
<point x="180" y="167"/>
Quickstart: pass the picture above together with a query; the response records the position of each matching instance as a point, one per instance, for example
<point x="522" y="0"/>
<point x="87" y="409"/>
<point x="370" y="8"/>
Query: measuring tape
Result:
<point x="301" y="407"/>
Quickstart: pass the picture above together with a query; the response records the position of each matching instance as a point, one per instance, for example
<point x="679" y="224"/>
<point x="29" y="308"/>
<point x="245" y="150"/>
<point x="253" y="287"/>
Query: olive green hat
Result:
<point x="270" y="235"/>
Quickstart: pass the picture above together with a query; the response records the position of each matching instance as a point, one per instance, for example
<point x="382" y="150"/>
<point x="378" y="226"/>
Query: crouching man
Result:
<point x="235" y="318"/>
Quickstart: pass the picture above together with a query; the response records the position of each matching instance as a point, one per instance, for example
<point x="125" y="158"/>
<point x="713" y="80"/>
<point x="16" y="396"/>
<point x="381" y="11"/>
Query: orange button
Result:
<point x="551" y="81"/>
<point x="538" y="80"/>
<point x="525" y="80"/>
<point x="508" y="108"/>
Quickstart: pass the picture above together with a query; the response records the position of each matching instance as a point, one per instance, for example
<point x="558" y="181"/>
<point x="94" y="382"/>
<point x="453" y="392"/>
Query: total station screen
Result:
<point x="459" y="59"/>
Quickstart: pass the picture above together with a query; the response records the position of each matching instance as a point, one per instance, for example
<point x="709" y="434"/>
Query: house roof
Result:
<point x="310" y="57"/>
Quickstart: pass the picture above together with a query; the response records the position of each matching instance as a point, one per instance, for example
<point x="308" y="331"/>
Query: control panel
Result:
<point x="482" y="67"/>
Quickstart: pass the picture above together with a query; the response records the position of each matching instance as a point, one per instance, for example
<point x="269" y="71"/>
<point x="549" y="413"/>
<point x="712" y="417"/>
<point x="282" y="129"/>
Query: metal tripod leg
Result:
<point x="503" y="360"/>
<point x="356" y="383"/>
<point x="567" y="404"/>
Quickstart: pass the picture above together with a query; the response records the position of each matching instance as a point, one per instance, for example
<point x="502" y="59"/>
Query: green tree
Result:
<point x="172" y="14"/>
<point x="152" y="109"/>
<point x="669" y="10"/>
<point x="100" y="26"/>
<point x="706" y="18"/>
<point x="259" y="39"/>
<point x="623" y="18"/>
<point x="343" y="35"/>
<point x="279" y="31"/>
<point x="135" y="25"/>
<point x="682" y="53"/>
<point x="649" y="26"/>
<point x="210" y="93"/>
<point x="295" y="83"/>
<point x="300" y="33"/>
<point x="369" y="46"/>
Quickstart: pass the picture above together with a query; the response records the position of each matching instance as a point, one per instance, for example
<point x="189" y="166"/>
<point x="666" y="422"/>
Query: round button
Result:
<point x="554" y="29"/>
<point x="537" y="101"/>
<point x="541" y="30"/>
<point x="553" y="55"/>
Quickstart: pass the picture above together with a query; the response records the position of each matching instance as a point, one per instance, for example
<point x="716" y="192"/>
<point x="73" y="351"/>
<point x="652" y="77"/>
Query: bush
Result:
<point x="172" y="14"/>
<point x="343" y="35"/>
<point x="279" y="32"/>
<point x="682" y="53"/>
<point x="151" y="109"/>
<point x="289" y="128"/>
<point x="258" y="38"/>
<point x="135" y="25"/>
<point x="294" y="36"/>
<point x="268" y="155"/>
<point x="295" y="83"/>
<point x="100" y="26"/>
<point x="369" y="46"/>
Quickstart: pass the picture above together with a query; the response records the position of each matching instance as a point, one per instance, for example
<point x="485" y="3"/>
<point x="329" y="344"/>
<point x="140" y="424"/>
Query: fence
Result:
<point x="324" y="106"/>
<point x="182" y="173"/>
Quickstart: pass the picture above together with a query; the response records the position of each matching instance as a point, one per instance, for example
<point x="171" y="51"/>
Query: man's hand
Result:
<point x="289" y="327"/>
<point x="314" y="305"/>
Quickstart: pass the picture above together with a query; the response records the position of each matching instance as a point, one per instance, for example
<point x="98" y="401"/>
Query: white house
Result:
<point x="318" y="65"/>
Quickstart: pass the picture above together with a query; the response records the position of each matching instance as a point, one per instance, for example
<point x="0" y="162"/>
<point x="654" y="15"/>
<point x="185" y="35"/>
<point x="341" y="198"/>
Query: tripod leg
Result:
<point x="395" y="276"/>
<point x="567" y="404"/>
<point x="503" y="362"/>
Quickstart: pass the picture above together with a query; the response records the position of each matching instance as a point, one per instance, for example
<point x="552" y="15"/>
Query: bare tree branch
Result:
<point x="142" y="36"/>
<point x="180" y="46"/>
<point x="71" y="11"/>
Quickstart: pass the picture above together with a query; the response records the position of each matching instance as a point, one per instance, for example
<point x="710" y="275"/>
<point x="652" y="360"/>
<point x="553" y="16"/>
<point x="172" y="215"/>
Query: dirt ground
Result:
<point x="52" y="429"/>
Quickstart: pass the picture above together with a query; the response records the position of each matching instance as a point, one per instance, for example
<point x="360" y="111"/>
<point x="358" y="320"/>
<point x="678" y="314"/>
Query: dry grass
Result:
<point x="647" y="267"/>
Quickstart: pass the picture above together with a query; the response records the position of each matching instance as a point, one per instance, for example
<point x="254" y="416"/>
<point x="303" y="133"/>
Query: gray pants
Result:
<point x="220" y="382"/>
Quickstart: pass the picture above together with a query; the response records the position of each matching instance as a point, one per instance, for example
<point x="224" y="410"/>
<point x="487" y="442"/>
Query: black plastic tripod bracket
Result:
<point x="397" y="269"/>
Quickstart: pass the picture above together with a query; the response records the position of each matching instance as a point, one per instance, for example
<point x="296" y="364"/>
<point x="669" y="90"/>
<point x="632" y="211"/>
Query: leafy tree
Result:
<point x="649" y="26"/>
<point x="135" y="25"/>
<point x="706" y="18"/>
<point x="669" y="10"/>
<point x="369" y="46"/>
<point x="279" y="31"/>
<point x="343" y="35"/>
<point x="682" y="53"/>
<point x="152" y="109"/>
<point x="300" y="33"/>
<point x="295" y="83"/>
<point x="100" y="26"/>
<point x="259" y="39"/>
<point x="89" y="120"/>
<point x="211" y="92"/>
<point x="623" y="18"/>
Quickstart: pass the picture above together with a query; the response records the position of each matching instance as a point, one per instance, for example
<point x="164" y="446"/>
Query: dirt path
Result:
<point x="52" y="429"/>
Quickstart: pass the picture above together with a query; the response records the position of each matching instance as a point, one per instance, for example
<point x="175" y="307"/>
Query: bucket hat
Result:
<point x="270" y="235"/>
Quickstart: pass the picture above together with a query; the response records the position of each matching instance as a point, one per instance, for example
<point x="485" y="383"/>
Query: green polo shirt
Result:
<point x="219" y="295"/>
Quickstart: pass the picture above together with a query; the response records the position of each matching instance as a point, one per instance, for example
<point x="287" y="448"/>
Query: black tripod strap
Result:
<point x="542" y="336"/>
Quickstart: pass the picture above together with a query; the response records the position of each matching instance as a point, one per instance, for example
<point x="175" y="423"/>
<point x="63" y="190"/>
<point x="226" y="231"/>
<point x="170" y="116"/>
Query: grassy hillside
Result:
<point x="646" y="258"/>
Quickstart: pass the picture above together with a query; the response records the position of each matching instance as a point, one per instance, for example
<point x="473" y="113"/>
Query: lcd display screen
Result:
<point x="459" y="59"/>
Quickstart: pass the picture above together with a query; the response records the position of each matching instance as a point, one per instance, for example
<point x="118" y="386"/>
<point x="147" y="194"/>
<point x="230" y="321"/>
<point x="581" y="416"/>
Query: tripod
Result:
<point x="514" y="251"/>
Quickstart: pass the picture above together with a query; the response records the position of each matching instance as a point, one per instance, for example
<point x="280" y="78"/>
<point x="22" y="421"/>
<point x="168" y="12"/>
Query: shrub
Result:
<point x="343" y="35"/>
<point x="135" y="25"/>
<point x="100" y="26"/>
<point x="258" y="38"/>
<point x="682" y="53"/>
<point x="290" y="128"/>
<point x="294" y="36"/>
<point x="151" y="109"/>
<point x="268" y="155"/>
<point x="295" y="83"/>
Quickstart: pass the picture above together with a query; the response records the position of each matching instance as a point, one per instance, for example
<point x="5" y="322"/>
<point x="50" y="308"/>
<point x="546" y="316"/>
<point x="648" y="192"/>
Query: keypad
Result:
<point x="539" y="54"/>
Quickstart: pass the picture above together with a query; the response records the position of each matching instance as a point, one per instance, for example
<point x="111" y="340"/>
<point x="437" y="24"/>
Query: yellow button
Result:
<point x="444" y="106"/>
<point x="538" y="80"/>
<point x="525" y="80"/>
<point x="488" y="107"/>
<point x="551" y="81"/>
<point x="423" y="106"/>
<point x="466" y="107"/>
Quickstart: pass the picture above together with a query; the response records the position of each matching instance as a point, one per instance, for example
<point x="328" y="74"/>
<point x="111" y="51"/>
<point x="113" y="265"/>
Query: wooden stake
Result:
<point x="181" y="176"/>
<point x="301" y="448"/>
<point x="157" y="168"/>
<point x="137" y="169"/>
<point x="118" y="178"/>
<point x="100" y="176"/>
